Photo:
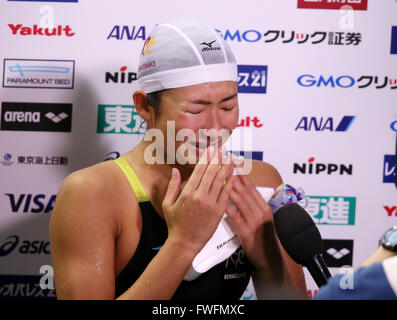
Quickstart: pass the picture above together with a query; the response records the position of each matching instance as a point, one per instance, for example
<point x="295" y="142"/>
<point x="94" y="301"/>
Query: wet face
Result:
<point x="202" y="115"/>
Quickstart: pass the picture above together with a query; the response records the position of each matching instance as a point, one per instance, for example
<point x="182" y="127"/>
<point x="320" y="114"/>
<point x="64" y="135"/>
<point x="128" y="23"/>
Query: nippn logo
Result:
<point x="150" y="41"/>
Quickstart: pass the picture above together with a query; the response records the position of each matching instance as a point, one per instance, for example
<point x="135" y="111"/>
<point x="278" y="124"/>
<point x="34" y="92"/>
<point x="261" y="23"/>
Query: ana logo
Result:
<point x="119" y="119"/>
<point x="26" y="246"/>
<point x="35" y="30"/>
<point x="252" y="79"/>
<point x="336" y="4"/>
<point x="393" y="46"/>
<point x="389" y="168"/>
<point x="391" y="210"/>
<point x="21" y="116"/>
<point x="208" y="46"/>
<point x="319" y="168"/>
<point x="308" y="80"/>
<point x="120" y="77"/>
<point x="332" y="210"/>
<point x="247" y="121"/>
<point x="149" y="43"/>
<point x="127" y="33"/>
<point x="324" y="124"/>
<point x="38" y="203"/>
<point x="338" y="253"/>
<point x="50" y="74"/>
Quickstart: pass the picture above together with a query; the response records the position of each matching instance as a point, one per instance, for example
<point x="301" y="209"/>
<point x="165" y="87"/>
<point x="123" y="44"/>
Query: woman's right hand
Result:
<point x="193" y="213"/>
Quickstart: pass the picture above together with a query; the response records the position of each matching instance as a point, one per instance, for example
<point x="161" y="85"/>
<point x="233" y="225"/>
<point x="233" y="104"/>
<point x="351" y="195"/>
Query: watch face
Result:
<point x="390" y="237"/>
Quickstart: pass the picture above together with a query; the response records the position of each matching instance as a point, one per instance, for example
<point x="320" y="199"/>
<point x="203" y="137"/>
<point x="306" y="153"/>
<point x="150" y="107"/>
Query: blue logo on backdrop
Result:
<point x="255" y="155"/>
<point x="39" y="203"/>
<point x="393" y="126"/>
<point x="127" y="33"/>
<point x="308" y="80"/>
<point x="248" y="35"/>
<point x="45" y="0"/>
<point x="252" y="79"/>
<point x="393" y="49"/>
<point x="324" y="124"/>
<point x="389" y="168"/>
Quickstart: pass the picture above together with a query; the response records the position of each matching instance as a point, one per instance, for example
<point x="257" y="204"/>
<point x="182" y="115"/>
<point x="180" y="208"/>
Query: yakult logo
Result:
<point x="35" y="30"/>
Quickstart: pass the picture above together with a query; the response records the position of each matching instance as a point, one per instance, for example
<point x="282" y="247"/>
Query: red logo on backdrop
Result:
<point x="391" y="211"/>
<point x="35" y="30"/>
<point x="332" y="4"/>
<point x="248" y="121"/>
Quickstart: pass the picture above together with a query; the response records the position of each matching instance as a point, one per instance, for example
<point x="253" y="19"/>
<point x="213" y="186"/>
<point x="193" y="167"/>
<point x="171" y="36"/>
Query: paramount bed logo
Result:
<point x="36" y="73"/>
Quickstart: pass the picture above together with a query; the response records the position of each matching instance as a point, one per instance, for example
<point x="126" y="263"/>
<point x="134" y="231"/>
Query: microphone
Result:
<point x="301" y="240"/>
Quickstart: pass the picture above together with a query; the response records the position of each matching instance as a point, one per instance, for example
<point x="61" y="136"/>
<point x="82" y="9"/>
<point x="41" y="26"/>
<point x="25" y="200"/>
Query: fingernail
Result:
<point x="174" y="173"/>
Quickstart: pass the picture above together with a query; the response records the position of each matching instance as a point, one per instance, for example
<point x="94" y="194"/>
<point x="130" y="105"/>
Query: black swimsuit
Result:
<point x="226" y="280"/>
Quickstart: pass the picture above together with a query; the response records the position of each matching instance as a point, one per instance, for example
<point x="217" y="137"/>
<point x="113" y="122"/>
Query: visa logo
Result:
<point x="252" y="79"/>
<point x="324" y="124"/>
<point x="31" y="203"/>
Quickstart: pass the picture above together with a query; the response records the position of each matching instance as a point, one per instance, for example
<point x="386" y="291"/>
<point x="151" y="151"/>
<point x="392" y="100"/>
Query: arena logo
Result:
<point x="321" y="168"/>
<point x="38" y="73"/>
<point x="335" y="5"/>
<point x="39" y="203"/>
<point x="391" y="211"/>
<point x="35" y="30"/>
<point x="252" y="78"/>
<point x="121" y="77"/>
<point x="338" y="253"/>
<point x="389" y="168"/>
<point x="393" y="46"/>
<point x="332" y="210"/>
<point x="22" y="116"/>
<point x="119" y="119"/>
<point x="324" y="124"/>
<point x="127" y="33"/>
<point x="11" y="243"/>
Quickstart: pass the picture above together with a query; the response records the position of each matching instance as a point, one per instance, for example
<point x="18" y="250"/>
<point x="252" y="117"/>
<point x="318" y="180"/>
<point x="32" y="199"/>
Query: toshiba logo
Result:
<point x="35" y="30"/>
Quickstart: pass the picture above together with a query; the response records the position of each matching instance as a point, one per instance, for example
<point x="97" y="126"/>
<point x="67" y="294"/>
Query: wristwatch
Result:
<point x="389" y="239"/>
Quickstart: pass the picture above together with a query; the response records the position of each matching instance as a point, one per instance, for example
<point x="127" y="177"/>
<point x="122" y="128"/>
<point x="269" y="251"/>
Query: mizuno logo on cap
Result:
<point x="209" y="46"/>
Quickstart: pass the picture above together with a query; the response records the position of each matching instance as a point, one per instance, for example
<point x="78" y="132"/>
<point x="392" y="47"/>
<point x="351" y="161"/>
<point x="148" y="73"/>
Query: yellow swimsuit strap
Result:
<point x="133" y="179"/>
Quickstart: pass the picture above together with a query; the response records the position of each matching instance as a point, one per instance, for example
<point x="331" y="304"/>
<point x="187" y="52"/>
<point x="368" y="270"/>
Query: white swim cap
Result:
<point x="184" y="53"/>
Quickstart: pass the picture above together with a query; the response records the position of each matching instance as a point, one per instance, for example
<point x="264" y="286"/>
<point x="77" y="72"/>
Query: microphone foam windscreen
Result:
<point x="297" y="233"/>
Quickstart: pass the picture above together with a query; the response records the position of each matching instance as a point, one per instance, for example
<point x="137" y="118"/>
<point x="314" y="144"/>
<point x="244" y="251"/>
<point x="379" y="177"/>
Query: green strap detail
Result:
<point x="133" y="179"/>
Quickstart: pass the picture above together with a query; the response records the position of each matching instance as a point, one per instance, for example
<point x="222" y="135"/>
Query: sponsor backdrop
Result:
<point x="318" y="89"/>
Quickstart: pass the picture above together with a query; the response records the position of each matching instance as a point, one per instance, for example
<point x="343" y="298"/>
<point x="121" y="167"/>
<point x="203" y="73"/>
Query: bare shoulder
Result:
<point x="87" y="195"/>
<point x="264" y="174"/>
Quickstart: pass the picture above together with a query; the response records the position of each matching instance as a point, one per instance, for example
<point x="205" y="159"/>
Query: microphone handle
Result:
<point x="318" y="270"/>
